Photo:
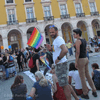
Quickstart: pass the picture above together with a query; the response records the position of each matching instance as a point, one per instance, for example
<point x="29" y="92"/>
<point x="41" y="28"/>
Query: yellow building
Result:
<point x="19" y="17"/>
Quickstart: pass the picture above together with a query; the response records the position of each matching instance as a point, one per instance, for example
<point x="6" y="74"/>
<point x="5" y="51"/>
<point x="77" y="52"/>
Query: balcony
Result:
<point x="48" y="18"/>
<point x="14" y="22"/>
<point x="80" y="14"/>
<point x="31" y="20"/>
<point x="65" y="16"/>
<point x="94" y="13"/>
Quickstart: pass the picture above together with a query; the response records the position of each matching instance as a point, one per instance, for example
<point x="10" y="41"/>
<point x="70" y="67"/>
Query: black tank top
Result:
<point x="82" y="49"/>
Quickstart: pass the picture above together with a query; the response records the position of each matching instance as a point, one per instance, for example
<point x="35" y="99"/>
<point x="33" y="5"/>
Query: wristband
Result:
<point x="58" y="58"/>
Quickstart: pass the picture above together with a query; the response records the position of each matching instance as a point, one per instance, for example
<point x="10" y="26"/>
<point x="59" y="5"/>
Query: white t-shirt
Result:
<point x="96" y="47"/>
<point x="76" y="77"/>
<point x="57" y="50"/>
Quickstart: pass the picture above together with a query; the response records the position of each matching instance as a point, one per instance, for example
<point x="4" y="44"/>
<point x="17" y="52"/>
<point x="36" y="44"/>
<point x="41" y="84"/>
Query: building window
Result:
<point x="92" y="7"/>
<point x="13" y="38"/>
<point x="63" y="9"/>
<point x="11" y="15"/>
<point x="47" y="11"/>
<point x="30" y="13"/>
<point x="9" y="1"/>
<point x="28" y="0"/>
<point x="78" y="8"/>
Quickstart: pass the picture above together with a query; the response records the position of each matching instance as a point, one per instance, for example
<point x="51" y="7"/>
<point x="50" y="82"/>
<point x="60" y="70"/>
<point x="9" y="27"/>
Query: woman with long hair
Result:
<point x="41" y="88"/>
<point x="19" y="89"/>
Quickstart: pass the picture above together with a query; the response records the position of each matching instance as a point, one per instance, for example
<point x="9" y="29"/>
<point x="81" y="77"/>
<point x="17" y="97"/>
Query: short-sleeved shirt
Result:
<point x="76" y="77"/>
<point x="43" y="93"/>
<point x="57" y="50"/>
<point x="69" y="45"/>
<point x="35" y="57"/>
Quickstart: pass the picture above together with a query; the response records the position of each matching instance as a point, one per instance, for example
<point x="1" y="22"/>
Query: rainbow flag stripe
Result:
<point x="35" y="39"/>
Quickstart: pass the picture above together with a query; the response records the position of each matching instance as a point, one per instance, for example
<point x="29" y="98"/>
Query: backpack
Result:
<point x="11" y="58"/>
<point x="31" y="63"/>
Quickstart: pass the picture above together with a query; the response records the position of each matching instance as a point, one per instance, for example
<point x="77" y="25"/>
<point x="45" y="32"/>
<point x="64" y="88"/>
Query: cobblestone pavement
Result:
<point x="5" y="92"/>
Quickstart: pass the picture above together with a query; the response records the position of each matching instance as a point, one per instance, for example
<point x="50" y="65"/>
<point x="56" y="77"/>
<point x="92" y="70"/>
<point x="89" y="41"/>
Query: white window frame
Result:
<point x="80" y="4"/>
<point x="50" y="9"/>
<point x="7" y="8"/>
<point x="80" y="8"/>
<point x="29" y="6"/>
<point x="9" y="3"/>
<point x="28" y="2"/>
<point x="65" y="6"/>
<point x="32" y="10"/>
<point x="94" y="4"/>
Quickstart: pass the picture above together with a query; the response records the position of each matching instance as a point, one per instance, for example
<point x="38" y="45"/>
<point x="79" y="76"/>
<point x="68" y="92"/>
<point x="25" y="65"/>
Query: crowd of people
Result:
<point x="62" y="87"/>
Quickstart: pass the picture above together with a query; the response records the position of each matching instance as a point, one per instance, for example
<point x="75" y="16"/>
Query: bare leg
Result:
<point x="67" y="92"/>
<point x="73" y="93"/>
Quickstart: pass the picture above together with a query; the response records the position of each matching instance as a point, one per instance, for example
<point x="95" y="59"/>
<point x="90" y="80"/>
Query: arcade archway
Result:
<point x="95" y="26"/>
<point x="15" y="39"/>
<point x="83" y="26"/>
<point x="67" y="32"/>
<point x="48" y="38"/>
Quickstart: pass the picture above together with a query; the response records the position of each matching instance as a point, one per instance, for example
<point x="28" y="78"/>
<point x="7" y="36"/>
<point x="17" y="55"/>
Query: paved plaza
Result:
<point x="5" y="92"/>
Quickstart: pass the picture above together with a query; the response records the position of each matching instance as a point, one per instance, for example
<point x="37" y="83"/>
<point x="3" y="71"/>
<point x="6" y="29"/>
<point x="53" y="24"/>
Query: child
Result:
<point x="96" y="48"/>
<point x="73" y="73"/>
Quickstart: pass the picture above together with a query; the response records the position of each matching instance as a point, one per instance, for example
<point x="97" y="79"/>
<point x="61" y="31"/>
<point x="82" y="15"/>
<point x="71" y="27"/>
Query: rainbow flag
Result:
<point x="35" y="39"/>
<point x="45" y="62"/>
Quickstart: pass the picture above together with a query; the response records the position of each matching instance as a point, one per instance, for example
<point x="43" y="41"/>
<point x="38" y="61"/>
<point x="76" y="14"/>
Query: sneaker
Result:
<point x="94" y="94"/>
<point x="85" y="96"/>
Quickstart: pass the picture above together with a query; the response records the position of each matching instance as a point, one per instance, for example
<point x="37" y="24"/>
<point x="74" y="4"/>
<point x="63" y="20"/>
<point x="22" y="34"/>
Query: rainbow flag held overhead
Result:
<point x="35" y="39"/>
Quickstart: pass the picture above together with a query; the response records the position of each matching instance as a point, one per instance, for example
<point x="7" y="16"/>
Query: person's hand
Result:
<point x="76" y="65"/>
<point x="57" y="61"/>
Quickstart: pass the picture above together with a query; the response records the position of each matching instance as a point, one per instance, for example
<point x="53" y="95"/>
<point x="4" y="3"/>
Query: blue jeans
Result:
<point x="7" y="73"/>
<point x="70" y="51"/>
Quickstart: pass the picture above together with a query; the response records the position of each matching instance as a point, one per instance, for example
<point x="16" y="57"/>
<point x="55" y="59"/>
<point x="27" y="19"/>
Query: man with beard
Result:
<point x="60" y="62"/>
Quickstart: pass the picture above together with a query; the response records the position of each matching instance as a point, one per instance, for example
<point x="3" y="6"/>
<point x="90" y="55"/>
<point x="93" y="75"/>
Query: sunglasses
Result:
<point x="51" y="26"/>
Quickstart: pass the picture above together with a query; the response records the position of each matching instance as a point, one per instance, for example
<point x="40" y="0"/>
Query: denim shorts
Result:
<point x="61" y="72"/>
